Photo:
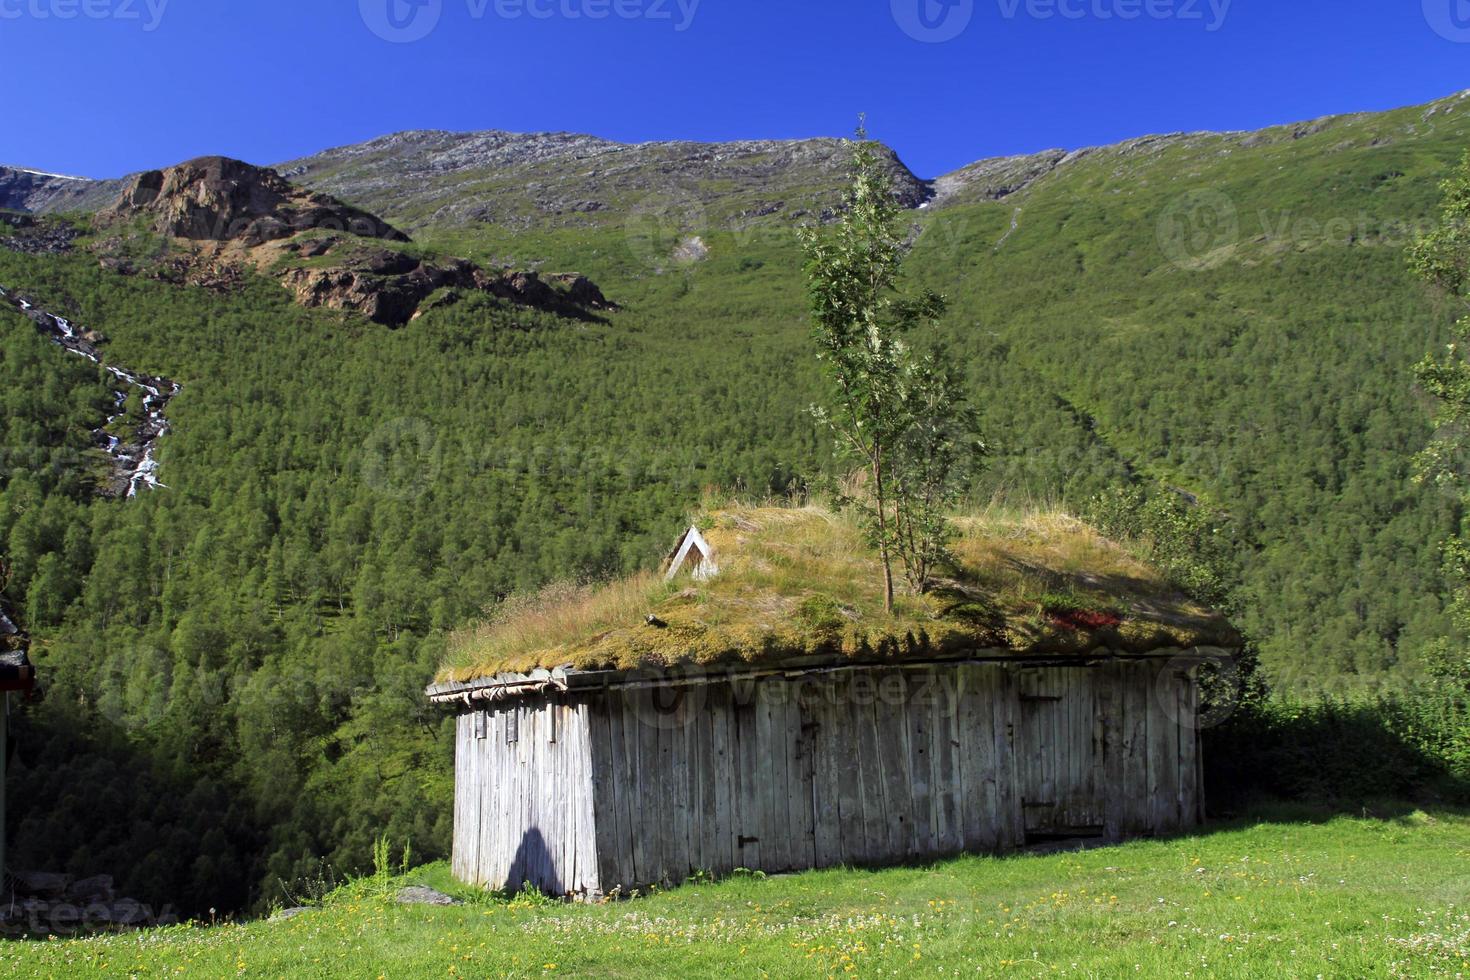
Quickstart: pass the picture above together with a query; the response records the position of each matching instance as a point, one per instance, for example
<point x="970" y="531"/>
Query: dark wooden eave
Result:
<point x="506" y="687"/>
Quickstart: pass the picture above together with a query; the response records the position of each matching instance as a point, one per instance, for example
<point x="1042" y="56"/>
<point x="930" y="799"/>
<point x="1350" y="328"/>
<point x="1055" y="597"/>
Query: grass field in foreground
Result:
<point x="1288" y="893"/>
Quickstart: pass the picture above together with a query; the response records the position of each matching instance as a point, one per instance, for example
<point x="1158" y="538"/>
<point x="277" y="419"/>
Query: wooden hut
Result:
<point x="752" y="707"/>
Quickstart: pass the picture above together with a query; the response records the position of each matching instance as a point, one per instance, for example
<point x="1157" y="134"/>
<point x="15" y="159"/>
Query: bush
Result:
<point x="1403" y="746"/>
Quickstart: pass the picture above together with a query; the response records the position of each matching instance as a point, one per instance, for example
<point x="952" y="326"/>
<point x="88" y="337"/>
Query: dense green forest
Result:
<point x="234" y="664"/>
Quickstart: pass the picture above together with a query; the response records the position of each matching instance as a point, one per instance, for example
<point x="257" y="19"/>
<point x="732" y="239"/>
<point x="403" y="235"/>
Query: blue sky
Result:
<point x="104" y="87"/>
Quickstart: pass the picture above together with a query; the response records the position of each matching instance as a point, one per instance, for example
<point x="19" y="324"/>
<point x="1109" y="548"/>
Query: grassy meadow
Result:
<point x="1284" y="893"/>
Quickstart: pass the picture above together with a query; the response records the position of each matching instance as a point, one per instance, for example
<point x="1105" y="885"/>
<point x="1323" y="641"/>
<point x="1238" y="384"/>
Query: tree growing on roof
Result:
<point x="900" y="415"/>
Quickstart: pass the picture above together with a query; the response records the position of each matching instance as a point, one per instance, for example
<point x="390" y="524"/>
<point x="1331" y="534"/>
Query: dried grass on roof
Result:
<point x="797" y="583"/>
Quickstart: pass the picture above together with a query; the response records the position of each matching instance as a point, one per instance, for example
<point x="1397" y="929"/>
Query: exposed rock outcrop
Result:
<point x="391" y="287"/>
<point x="216" y="199"/>
<point x="223" y="216"/>
<point x="36" y="236"/>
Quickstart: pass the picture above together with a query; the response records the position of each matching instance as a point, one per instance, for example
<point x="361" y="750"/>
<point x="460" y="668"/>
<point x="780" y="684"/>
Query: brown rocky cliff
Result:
<point x="228" y="215"/>
<point x="222" y="200"/>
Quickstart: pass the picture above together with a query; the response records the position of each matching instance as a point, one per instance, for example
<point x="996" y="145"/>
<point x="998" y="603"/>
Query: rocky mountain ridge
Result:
<point x="42" y="193"/>
<point x="536" y="179"/>
<point x="433" y="178"/>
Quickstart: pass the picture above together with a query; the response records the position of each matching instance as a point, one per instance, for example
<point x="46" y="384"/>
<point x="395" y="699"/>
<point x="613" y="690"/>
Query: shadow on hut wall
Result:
<point x="534" y="865"/>
<point x="1342" y="755"/>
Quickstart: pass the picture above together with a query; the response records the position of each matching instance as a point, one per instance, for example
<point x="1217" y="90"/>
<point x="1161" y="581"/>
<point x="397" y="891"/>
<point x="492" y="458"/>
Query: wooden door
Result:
<point x="1058" y="758"/>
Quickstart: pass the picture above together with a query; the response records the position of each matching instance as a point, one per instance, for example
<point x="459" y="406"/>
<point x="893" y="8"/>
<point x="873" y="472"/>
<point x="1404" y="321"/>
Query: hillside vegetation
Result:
<point x="235" y="663"/>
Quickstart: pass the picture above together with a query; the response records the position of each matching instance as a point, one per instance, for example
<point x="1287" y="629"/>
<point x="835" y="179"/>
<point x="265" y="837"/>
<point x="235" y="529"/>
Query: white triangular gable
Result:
<point x="695" y="551"/>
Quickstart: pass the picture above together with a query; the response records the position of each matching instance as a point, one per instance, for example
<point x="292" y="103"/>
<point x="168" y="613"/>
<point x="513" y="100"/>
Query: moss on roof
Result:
<point x="802" y="583"/>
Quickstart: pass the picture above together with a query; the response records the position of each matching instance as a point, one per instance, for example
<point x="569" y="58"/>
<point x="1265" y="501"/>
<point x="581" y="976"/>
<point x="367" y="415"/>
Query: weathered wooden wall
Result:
<point x="523" y="805"/>
<point x="869" y="767"/>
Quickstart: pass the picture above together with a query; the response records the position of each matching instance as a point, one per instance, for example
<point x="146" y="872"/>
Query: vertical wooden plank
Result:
<point x="850" y="789"/>
<point x="985" y="691"/>
<point x="968" y="760"/>
<point x="1080" y="794"/>
<point x="920" y="769"/>
<point x="1011" y="825"/>
<point x="828" y="825"/>
<point x="631" y="792"/>
<point x="802" y="774"/>
<point x="967" y="776"/>
<point x="701" y="787"/>
<point x="1163" y="753"/>
<point x="1034" y="750"/>
<point x="599" y="810"/>
<point x="612" y="842"/>
<point x="660" y="784"/>
<point x="526" y="742"/>
<point x="489" y="794"/>
<point x="1136" y="818"/>
<point x="1201" y="803"/>
<point x="723" y="762"/>
<point x="498" y="802"/>
<point x="1188" y="714"/>
<point x="1112" y="794"/>
<point x="893" y="749"/>
<point x="1085" y="736"/>
<point x="461" y="789"/>
<point x="496" y="836"/>
<point x="511" y="825"/>
<point x="589" y="877"/>
<point x="865" y="767"/>
<point x="749" y="824"/>
<point x="785" y="731"/>
<point x="625" y="796"/>
<point x="949" y="790"/>
<point x="676" y="787"/>
<point x="765" y="770"/>
<point x="476" y="799"/>
<point x="562" y="737"/>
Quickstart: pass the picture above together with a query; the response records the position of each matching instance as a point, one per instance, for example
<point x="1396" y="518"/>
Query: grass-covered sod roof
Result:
<point x="799" y="583"/>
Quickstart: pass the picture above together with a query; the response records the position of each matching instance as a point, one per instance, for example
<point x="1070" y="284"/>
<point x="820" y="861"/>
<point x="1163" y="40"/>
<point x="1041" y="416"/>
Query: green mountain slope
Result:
<point x="235" y="661"/>
<point x="1229" y="314"/>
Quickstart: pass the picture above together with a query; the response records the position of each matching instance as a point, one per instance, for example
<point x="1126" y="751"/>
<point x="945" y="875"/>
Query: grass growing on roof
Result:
<point x="803" y="582"/>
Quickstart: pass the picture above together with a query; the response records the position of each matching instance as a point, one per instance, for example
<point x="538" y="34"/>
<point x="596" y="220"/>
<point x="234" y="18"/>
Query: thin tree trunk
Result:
<point x="883" y="532"/>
